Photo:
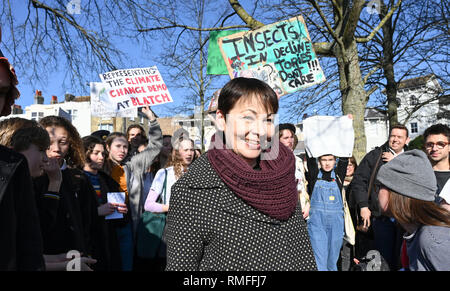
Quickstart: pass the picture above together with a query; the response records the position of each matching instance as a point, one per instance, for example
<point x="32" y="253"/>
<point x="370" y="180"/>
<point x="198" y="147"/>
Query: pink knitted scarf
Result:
<point x="271" y="190"/>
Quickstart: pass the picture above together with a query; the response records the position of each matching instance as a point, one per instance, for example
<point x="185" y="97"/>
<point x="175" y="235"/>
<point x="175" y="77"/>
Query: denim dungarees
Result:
<point x="326" y="223"/>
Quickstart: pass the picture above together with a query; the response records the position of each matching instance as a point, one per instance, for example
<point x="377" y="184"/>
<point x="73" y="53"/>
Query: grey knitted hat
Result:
<point x="410" y="174"/>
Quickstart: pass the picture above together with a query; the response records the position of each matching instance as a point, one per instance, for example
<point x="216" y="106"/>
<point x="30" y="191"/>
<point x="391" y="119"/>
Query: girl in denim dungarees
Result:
<point x="326" y="222"/>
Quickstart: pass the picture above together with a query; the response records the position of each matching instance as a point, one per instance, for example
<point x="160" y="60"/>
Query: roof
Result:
<point x="374" y="113"/>
<point x="415" y="82"/>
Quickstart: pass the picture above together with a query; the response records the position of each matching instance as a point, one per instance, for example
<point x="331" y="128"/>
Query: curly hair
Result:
<point x="175" y="158"/>
<point x="75" y="156"/>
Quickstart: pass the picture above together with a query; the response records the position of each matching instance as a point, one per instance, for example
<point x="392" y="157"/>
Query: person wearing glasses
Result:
<point x="437" y="147"/>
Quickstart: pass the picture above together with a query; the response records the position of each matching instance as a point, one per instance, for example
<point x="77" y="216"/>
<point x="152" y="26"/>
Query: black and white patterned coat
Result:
<point x="211" y="228"/>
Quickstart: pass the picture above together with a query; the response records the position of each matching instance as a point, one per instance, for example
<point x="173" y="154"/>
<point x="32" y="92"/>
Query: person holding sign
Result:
<point x="237" y="206"/>
<point x="103" y="183"/>
<point x="326" y="214"/>
<point x="130" y="176"/>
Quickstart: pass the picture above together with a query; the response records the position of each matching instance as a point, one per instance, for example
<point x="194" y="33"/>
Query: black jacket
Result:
<point x="68" y="218"/>
<point x="361" y="179"/>
<point x="106" y="246"/>
<point x="20" y="235"/>
<point x="211" y="228"/>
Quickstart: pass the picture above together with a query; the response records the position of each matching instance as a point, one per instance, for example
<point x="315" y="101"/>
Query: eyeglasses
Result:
<point x="440" y="145"/>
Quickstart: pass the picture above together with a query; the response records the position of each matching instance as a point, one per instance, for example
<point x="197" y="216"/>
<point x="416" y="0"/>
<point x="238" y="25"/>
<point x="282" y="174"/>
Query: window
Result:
<point x="414" y="100"/>
<point x="106" y="126"/>
<point x="414" y="128"/>
<point x="33" y="114"/>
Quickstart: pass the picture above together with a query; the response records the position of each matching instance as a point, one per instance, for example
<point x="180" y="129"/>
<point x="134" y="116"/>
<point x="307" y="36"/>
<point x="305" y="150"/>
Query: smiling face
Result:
<point x="350" y="169"/>
<point x="59" y="143"/>
<point x="397" y="139"/>
<point x="247" y="126"/>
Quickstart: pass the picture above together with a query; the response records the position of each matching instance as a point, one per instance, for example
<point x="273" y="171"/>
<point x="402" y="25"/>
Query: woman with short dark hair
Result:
<point x="237" y="206"/>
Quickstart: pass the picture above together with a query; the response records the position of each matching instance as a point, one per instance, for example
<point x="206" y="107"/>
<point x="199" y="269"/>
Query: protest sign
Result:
<point x="104" y="106"/>
<point x="133" y="88"/>
<point x="216" y="64"/>
<point x="281" y="54"/>
<point x="329" y="135"/>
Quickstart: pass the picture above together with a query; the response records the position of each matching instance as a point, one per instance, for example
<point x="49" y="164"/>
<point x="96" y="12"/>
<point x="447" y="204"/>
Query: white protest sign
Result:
<point x="133" y="88"/>
<point x="326" y="135"/>
<point x="115" y="197"/>
<point x="103" y="106"/>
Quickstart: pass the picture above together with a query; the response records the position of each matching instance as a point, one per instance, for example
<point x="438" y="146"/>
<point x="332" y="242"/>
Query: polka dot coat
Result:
<point x="209" y="228"/>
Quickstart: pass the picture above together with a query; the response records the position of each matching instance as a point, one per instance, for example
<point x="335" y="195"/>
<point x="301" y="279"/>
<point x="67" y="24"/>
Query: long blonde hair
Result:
<point x="175" y="159"/>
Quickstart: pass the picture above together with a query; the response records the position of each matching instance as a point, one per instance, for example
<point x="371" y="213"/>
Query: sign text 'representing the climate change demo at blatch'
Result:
<point x="133" y="88"/>
<point x="281" y="54"/>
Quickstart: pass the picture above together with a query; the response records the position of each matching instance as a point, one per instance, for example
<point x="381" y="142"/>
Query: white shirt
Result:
<point x="158" y="182"/>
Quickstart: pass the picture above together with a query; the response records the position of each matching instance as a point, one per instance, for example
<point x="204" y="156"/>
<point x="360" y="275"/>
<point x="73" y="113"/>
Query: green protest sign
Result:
<point x="281" y="54"/>
<point x="216" y="64"/>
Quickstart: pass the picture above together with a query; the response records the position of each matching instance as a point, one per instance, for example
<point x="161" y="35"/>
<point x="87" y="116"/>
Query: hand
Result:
<point x="305" y="211"/>
<point x="56" y="258"/>
<point x="350" y="116"/>
<point x="165" y="208"/>
<point x="387" y="156"/>
<point x="121" y="208"/>
<point x="147" y="111"/>
<point x="106" y="209"/>
<point x="365" y="215"/>
<point x="53" y="171"/>
<point x="85" y="263"/>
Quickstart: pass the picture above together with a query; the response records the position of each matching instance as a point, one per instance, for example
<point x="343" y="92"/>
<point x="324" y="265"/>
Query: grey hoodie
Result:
<point x="135" y="169"/>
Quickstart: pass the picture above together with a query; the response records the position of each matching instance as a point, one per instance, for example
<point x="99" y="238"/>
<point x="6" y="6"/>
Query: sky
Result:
<point x="134" y="57"/>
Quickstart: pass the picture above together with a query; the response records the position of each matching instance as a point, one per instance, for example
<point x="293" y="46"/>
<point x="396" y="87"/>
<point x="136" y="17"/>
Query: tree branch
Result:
<point x="192" y="28"/>
<point x="382" y="22"/>
<point x="251" y="22"/>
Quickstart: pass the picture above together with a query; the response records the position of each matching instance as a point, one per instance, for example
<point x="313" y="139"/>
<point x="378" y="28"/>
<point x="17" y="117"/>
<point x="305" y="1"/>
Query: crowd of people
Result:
<point x="247" y="203"/>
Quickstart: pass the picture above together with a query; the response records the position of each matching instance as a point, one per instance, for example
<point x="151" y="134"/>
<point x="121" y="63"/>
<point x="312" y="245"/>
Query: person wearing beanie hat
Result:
<point x="408" y="188"/>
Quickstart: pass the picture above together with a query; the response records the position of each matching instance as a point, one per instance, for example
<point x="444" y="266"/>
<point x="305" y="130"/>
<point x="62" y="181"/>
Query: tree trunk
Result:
<point x="354" y="97"/>
<point x="388" y="69"/>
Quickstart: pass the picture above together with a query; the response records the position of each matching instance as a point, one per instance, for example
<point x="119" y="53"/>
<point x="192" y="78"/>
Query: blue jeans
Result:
<point x="125" y="237"/>
<point x="326" y="223"/>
